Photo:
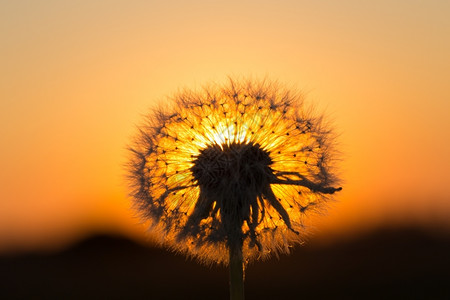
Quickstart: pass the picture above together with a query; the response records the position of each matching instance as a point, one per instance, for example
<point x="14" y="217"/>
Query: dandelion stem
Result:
<point x="236" y="272"/>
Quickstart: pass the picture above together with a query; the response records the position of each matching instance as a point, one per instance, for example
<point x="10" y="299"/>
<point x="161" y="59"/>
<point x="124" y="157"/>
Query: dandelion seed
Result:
<point x="230" y="173"/>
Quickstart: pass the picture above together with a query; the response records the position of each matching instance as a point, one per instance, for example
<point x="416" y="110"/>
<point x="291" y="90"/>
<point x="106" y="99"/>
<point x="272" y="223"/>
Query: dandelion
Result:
<point x="229" y="174"/>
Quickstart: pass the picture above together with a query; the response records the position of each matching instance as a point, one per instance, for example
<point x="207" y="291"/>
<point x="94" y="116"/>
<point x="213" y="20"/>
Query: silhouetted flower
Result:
<point x="238" y="165"/>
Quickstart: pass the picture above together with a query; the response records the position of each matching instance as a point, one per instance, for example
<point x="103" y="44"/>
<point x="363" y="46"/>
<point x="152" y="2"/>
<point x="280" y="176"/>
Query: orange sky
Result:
<point x="76" y="76"/>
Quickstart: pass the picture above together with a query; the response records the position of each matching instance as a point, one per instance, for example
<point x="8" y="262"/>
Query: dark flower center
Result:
<point x="245" y="166"/>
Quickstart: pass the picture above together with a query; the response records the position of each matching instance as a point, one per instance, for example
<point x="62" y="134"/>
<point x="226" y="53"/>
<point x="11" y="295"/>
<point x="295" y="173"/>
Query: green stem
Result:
<point x="236" y="273"/>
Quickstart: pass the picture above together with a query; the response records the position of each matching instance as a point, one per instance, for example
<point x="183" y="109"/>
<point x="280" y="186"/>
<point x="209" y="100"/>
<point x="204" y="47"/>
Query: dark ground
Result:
<point x="387" y="264"/>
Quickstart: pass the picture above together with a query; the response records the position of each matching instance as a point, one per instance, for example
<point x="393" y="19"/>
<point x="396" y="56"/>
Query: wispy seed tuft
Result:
<point x="243" y="163"/>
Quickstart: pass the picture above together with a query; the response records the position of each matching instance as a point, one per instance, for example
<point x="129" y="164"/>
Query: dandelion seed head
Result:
<point x="241" y="163"/>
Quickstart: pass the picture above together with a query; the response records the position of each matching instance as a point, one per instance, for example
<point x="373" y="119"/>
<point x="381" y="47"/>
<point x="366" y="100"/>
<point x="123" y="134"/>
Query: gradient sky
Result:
<point x="77" y="76"/>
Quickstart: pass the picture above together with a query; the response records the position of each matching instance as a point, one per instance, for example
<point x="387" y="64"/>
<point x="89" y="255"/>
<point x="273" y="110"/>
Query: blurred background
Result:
<point x="76" y="77"/>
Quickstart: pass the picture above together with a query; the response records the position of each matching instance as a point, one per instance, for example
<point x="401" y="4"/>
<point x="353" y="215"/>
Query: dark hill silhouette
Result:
<point x="386" y="264"/>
